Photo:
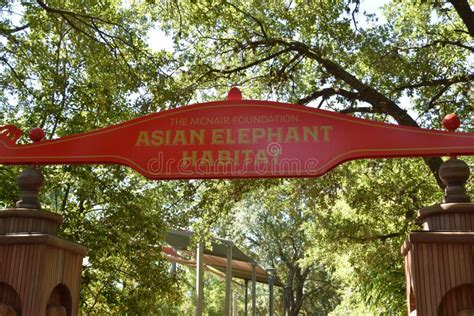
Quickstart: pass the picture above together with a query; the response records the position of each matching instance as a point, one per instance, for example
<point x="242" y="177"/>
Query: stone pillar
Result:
<point x="439" y="260"/>
<point x="40" y="274"/>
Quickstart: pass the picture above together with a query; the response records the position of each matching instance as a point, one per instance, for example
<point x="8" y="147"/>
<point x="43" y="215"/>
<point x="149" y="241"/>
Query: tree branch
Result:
<point x="329" y="92"/>
<point x="379" y="101"/>
<point x="89" y="21"/>
<point x="255" y="242"/>
<point x="260" y="24"/>
<point x="16" y="75"/>
<point x="65" y="198"/>
<point x="381" y="238"/>
<point x="62" y="12"/>
<point x="464" y="11"/>
<point x="13" y="30"/>
<point x="358" y="110"/>
<point x="356" y="10"/>
<point x="254" y="63"/>
<point x="437" y="96"/>
<point x="438" y="42"/>
<point x="437" y="82"/>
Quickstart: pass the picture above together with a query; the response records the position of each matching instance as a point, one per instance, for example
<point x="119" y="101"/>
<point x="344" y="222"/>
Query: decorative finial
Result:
<point x="234" y="94"/>
<point x="36" y="134"/>
<point x="455" y="173"/>
<point x="30" y="182"/>
<point x="451" y="122"/>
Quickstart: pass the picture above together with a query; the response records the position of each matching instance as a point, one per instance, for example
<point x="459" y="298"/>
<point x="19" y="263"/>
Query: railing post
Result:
<point x="271" y="275"/>
<point x="228" y="278"/>
<point x="199" y="279"/>
<point x="254" y="289"/>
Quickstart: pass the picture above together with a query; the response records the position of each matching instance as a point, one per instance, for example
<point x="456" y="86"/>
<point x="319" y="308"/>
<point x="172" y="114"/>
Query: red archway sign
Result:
<point x="235" y="138"/>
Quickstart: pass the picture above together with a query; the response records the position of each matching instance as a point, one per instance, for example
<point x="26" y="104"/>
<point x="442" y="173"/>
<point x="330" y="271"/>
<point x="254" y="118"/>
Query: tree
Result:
<point x="412" y="67"/>
<point x="361" y="234"/>
<point x="69" y="67"/>
<point x="334" y="238"/>
<point x="72" y="66"/>
<point x="271" y="221"/>
<point x="330" y="54"/>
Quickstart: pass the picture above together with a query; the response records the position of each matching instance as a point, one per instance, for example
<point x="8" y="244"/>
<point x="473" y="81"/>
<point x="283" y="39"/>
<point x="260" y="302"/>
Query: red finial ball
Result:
<point x="36" y="134"/>
<point x="234" y="94"/>
<point x="451" y="122"/>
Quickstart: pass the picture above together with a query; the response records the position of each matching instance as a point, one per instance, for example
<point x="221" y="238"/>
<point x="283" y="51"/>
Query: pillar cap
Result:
<point x="30" y="181"/>
<point x="27" y="220"/>
<point x="455" y="173"/>
<point x="445" y="208"/>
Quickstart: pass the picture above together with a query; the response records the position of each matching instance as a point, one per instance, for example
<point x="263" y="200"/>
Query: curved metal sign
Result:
<point x="236" y="139"/>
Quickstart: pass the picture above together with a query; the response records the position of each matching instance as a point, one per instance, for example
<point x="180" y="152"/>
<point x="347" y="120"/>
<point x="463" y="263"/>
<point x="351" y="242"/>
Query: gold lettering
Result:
<point x="243" y="136"/>
<point x="257" y="133"/>
<point x="157" y="138"/>
<point x="326" y="129"/>
<point x="310" y="131"/>
<point x="196" y="135"/>
<point x="224" y="156"/>
<point x="167" y="137"/>
<point x="236" y="157"/>
<point x="207" y="157"/>
<point x="143" y="139"/>
<point x="292" y="135"/>
<point x="228" y="136"/>
<point x="218" y="136"/>
<point x="247" y="153"/>
<point x="271" y="134"/>
<point x="191" y="159"/>
<point x="180" y="138"/>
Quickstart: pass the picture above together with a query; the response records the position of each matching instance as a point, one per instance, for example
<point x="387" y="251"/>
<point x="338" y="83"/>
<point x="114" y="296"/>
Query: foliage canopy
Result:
<point x="72" y="66"/>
